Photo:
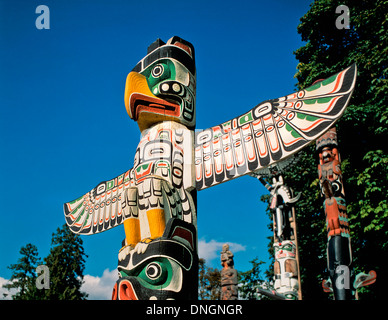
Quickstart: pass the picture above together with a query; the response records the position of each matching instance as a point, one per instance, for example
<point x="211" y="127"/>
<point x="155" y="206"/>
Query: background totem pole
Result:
<point x="229" y="290"/>
<point x="156" y="199"/>
<point x="286" y="267"/>
<point x="339" y="253"/>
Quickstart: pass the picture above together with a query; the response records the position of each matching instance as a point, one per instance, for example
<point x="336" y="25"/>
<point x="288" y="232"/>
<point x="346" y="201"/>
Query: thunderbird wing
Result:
<point x="100" y="209"/>
<point x="271" y="131"/>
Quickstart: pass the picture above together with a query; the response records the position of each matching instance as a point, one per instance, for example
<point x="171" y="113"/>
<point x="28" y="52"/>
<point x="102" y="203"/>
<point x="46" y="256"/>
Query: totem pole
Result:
<point x="229" y="290"/>
<point x="339" y="253"/>
<point x="156" y="199"/>
<point x="286" y="268"/>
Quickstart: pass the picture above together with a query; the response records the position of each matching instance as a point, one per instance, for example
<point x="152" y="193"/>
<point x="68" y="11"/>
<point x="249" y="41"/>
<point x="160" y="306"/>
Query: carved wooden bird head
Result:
<point x="161" y="87"/>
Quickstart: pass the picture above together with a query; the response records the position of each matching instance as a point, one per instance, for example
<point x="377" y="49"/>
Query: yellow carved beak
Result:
<point x="143" y="106"/>
<point x="136" y="83"/>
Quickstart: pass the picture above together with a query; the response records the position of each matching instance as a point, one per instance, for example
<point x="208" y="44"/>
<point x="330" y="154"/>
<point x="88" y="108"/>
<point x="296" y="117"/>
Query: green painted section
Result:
<point x="294" y="133"/>
<point x="74" y="201"/>
<point x="324" y="83"/>
<point x="169" y="73"/>
<point x="306" y="117"/>
<point x="142" y="167"/>
<point x="329" y="80"/>
<point x="153" y="275"/>
<point x="245" y="118"/>
<point x="314" y="87"/>
<point x="320" y="100"/>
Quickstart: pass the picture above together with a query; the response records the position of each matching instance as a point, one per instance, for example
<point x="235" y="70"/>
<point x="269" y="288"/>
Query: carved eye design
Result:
<point x="153" y="271"/>
<point x="157" y="71"/>
<point x="336" y="186"/>
<point x="156" y="273"/>
<point x="287" y="247"/>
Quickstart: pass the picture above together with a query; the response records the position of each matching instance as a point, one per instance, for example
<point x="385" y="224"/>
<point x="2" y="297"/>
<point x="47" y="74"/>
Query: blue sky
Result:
<point x="63" y="124"/>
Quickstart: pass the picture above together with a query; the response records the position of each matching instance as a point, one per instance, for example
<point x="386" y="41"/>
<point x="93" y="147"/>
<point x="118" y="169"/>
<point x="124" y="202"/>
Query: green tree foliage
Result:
<point x="209" y="286"/>
<point x="23" y="274"/>
<point x="202" y="281"/>
<point x="249" y="280"/>
<point x="362" y="135"/>
<point x="65" y="262"/>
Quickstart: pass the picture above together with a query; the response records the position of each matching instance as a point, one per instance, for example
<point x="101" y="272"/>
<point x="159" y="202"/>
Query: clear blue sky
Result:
<point x="63" y="124"/>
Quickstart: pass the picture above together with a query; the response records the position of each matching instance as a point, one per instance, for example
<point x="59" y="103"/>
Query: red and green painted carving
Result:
<point x="155" y="200"/>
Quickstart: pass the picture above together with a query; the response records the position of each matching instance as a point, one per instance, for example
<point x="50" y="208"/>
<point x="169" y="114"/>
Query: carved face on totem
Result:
<point x="285" y="269"/>
<point x="161" y="87"/>
<point x="329" y="172"/>
<point x="328" y="154"/>
<point x="164" y="271"/>
<point x="326" y="146"/>
<point x="226" y="256"/>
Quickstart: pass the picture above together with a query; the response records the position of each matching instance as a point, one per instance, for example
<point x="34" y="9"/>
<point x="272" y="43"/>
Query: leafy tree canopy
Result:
<point x="209" y="287"/>
<point x="65" y="262"/>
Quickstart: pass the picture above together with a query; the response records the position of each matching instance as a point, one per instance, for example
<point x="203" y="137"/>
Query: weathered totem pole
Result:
<point x="229" y="290"/>
<point x="286" y="267"/>
<point x="339" y="253"/>
<point x="156" y="199"/>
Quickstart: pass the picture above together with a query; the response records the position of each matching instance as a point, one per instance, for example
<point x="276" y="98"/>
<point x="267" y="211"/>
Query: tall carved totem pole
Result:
<point x="229" y="290"/>
<point x="156" y="199"/>
<point x="339" y="253"/>
<point x="286" y="267"/>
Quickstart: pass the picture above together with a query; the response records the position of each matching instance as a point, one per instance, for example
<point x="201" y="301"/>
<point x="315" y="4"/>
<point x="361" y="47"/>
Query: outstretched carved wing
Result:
<point x="271" y="131"/>
<point x="101" y="208"/>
